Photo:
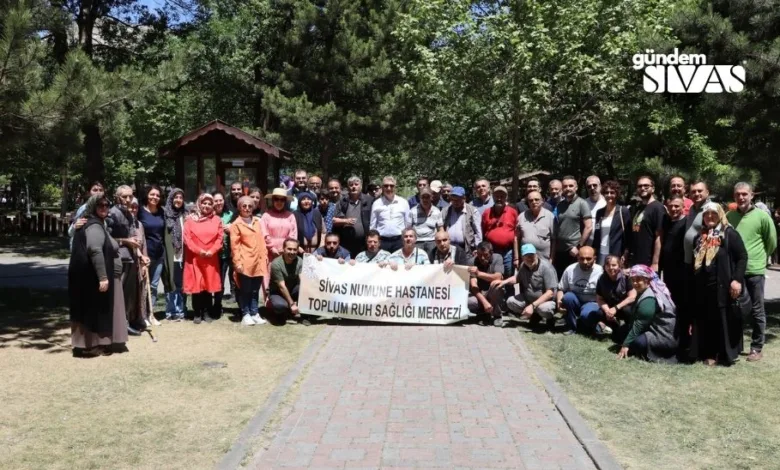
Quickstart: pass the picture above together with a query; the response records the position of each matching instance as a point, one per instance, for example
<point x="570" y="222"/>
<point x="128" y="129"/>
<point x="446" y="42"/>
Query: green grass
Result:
<point x="672" y="416"/>
<point x="33" y="245"/>
<point x="154" y="407"/>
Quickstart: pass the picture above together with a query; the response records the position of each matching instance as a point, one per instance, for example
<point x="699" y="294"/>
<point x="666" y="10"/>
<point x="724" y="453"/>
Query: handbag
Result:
<point x="742" y="305"/>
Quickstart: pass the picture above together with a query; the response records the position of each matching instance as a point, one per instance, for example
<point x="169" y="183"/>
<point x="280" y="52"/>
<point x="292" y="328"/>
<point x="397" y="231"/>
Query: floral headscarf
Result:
<point x="711" y="238"/>
<point x="198" y="205"/>
<point x="173" y="217"/>
<point x="662" y="294"/>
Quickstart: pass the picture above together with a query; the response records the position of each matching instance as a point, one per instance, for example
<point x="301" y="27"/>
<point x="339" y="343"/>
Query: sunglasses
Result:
<point x="279" y="199"/>
<point x="388" y="186"/>
<point x="104" y="205"/>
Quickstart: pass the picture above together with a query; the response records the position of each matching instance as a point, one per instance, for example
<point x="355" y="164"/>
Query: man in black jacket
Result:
<point x="446" y="253"/>
<point x="353" y="216"/>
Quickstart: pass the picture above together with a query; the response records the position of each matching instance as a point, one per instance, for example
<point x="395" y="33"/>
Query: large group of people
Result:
<point x="667" y="281"/>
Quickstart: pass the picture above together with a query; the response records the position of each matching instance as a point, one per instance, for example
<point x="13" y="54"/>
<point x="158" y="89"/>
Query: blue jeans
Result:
<point x="250" y="290"/>
<point x="509" y="267"/>
<point x="575" y="308"/>
<point x="176" y="301"/>
<point x="155" y="272"/>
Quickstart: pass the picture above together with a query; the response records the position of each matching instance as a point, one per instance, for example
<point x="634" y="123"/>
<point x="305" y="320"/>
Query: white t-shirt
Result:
<point x="582" y="283"/>
<point x="605" y="225"/>
<point x="594" y="207"/>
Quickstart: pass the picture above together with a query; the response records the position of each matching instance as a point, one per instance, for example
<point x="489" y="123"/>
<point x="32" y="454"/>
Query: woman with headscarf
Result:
<point x="143" y="312"/>
<point x="121" y="227"/>
<point x="719" y="264"/>
<point x="250" y="260"/>
<point x="309" y="224"/>
<point x="651" y="326"/>
<point x="203" y="238"/>
<point x="175" y="214"/>
<point x="97" y="305"/>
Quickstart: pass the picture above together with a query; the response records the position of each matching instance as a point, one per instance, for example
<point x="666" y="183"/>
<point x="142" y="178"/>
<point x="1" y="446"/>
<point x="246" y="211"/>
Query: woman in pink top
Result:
<point x="278" y="224"/>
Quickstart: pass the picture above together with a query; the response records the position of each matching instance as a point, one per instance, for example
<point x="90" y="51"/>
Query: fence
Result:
<point x="42" y="223"/>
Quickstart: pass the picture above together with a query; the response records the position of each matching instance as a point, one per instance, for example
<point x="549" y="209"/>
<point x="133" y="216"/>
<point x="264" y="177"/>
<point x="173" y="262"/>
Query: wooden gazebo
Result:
<point x="217" y="154"/>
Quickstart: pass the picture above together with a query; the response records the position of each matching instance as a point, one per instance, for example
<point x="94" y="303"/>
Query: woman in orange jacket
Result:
<point x="250" y="259"/>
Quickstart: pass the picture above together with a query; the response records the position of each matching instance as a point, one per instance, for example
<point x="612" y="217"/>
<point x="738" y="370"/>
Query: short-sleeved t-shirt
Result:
<point x="580" y="282"/>
<point x="496" y="265"/>
<point x="613" y="292"/>
<point x="289" y="273"/>
<point x="500" y="230"/>
<point x="672" y="251"/>
<point x="534" y="283"/>
<point x="645" y="223"/>
<point x="571" y="216"/>
<point x="537" y="231"/>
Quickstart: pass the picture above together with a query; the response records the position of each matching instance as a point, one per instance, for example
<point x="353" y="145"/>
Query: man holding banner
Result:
<point x="373" y="253"/>
<point x="332" y="249"/>
<point x="410" y="254"/>
<point x="446" y="253"/>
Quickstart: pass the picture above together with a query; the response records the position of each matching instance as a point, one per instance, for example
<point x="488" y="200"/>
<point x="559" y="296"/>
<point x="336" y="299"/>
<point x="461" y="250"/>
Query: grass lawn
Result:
<point x="672" y="416"/>
<point x="33" y="245"/>
<point x="155" y="407"/>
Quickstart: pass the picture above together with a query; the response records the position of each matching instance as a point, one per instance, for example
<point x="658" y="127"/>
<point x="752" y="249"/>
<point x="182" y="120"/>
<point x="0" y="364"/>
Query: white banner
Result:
<point x="423" y="294"/>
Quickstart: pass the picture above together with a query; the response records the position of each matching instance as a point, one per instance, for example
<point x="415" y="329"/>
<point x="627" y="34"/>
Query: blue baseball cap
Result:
<point x="458" y="191"/>
<point x="527" y="249"/>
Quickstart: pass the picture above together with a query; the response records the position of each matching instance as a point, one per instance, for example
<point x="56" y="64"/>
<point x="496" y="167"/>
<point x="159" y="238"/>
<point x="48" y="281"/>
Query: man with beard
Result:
<point x="353" y="217"/>
<point x="498" y="227"/>
<point x="647" y="226"/>
<point x="332" y="249"/>
<point x="314" y="184"/>
<point x="285" y="282"/>
<point x="577" y="288"/>
<point x="373" y="253"/>
<point x="573" y="226"/>
<point x="758" y="233"/>
<point x="554" y="190"/>
<point x="301" y="181"/>
<point x="538" y="283"/>
<point x="485" y="297"/>
<point x="236" y="191"/>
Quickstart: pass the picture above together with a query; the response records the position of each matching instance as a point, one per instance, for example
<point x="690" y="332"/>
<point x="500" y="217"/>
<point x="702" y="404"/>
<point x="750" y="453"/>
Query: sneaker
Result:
<point x="197" y="319"/>
<point x="499" y="322"/>
<point x="258" y="319"/>
<point x="754" y="356"/>
<point x="246" y="320"/>
<point x="207" y="318"/>
<point x="305" y="322"/>
<point x="569" y="332"/>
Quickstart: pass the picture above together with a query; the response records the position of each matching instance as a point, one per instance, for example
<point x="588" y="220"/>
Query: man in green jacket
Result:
<point x="758" y="233"/>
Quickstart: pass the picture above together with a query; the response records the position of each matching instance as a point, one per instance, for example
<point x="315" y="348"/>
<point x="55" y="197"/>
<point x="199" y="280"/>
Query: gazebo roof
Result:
<point x="211" y="137"/>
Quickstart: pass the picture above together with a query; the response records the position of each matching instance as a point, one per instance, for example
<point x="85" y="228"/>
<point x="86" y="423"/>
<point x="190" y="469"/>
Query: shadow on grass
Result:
<point x="30" y="245"/>
<point x="34" y="319"/>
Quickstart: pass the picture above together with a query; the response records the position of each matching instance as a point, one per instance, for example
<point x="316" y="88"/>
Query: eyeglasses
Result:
<point x="593" y="185"/>
<point x="388" y="186"/>
<point x="643" y="185"/>
<point x="247" y="206"/>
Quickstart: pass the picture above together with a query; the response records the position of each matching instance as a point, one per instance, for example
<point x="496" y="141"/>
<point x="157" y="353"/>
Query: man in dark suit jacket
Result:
<point x="353" y="216"/>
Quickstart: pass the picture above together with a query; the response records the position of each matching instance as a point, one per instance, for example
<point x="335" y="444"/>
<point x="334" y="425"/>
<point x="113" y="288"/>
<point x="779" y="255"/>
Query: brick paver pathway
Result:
<point x="382" y="396"/>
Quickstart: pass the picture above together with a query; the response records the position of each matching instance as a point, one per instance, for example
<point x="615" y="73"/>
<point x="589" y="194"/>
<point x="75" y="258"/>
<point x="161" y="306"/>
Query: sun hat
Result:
<point x="278" y="192"/>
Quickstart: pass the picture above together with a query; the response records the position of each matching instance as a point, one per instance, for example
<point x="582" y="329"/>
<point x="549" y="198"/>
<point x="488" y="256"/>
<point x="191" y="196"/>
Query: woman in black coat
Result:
<point x="720" y="260"/>
<point x="609" y="227"/>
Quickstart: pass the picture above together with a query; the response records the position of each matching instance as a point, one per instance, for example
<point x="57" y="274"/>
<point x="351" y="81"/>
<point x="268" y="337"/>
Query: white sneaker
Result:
<point x="258" y="319"/>
<point x="247" y="320"/>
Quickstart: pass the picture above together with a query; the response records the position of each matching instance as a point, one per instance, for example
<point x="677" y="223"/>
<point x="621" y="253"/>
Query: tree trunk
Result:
<point x="64" y="203"/>
<point x="325" y="154"/>
<point x="93" y="151"/>
<point x="515" y="144"/>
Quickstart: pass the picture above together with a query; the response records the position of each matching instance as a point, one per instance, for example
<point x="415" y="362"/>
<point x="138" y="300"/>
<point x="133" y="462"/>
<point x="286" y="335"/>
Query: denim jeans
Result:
<point x="755" y="289"/>
<point x="250" y="289"/>
<point x="279" y="305"/>
<point x="155" y="272"/>
<point x="176" y="301"/>
<point x="509" y="267"/>
<point x="575" y="308"/>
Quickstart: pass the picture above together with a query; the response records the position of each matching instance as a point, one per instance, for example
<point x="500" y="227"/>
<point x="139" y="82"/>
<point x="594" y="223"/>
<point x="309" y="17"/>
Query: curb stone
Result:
<point x="598" y="452"/>
<point x="241" y="447"/>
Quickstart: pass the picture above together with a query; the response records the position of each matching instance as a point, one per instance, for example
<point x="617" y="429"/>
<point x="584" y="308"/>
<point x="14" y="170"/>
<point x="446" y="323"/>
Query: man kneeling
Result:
<point x="538" y="283"/>
<point x="484" y="297"/>
<point x="285" y="281"/>
<point x="577" y="289"/>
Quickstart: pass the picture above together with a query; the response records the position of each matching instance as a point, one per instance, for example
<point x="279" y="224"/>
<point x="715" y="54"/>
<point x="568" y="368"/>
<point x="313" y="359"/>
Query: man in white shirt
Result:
<point x="595" y="200"/>
<point x="389" y="215"/>
<point x="577" y="288"/>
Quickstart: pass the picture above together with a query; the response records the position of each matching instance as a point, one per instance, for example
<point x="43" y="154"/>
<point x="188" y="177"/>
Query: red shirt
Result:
<point x="500" y="230"/>
<point x="688" y="203"/>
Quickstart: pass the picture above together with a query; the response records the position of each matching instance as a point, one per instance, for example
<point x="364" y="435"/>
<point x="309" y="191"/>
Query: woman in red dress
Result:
<point x="202" y="242"/>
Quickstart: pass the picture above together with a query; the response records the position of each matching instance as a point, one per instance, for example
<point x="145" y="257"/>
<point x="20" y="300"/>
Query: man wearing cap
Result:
<point x="462" y="221"/>
<point x="498" y="227"/>
<point x="446" y="189"/>
<point x="425" y="219"/>
<point x="422" y="183"/>
<point x="436" y="188"/>
<point x="389" y="214"/>
<point x="538" y="283"/>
